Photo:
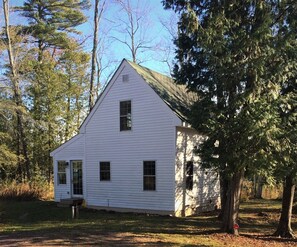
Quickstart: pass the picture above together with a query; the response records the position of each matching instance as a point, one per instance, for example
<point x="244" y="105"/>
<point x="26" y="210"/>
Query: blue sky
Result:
<point x="115" y="50"/>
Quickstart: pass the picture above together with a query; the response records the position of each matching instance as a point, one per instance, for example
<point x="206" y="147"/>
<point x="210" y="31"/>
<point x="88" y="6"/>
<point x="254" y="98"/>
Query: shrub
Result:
<point x="25" y="191"/>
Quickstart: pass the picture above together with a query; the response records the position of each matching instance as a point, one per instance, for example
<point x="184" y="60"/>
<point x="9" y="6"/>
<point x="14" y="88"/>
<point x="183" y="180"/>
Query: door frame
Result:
<point x="72" y="182"/>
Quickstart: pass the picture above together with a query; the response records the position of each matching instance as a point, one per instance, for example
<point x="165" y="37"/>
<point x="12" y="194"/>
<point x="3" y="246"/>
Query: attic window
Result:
<point x="125" y="78"/>
<point x="125" y="115"/>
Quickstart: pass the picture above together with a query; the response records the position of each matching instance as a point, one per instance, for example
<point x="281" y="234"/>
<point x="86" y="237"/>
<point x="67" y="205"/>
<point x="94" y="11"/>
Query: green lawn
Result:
<point x="43" y="223"/>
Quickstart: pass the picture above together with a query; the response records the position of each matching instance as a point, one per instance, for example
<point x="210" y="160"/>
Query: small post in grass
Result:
<point x="75" y="211"/>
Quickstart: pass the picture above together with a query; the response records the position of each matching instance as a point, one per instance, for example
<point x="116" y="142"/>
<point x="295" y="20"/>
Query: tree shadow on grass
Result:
<point x="104" y="229"/>
<point x="271" y="238"/>
<point x="42" y="223"/>
<point x="84" y="239"/>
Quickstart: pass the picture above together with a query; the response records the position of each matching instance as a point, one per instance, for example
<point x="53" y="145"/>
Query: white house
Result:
<point x="134" y="151"/>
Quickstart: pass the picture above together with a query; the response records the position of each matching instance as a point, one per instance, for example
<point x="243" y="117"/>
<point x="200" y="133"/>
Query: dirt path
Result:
<point x="131" y="239"/>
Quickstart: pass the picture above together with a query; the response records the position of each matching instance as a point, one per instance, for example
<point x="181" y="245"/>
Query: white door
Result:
<point x="77" y="178"/>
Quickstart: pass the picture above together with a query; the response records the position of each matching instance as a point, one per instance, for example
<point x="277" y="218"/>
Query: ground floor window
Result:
<point x="149" y="175"/>
<point x="105" y="171"/>
<point x="62" y="172"/>
<point x="189" y="175"/>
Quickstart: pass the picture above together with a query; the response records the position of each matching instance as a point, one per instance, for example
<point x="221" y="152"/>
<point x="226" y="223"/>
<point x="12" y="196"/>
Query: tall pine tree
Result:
<point x="224" y="54"/>
<point x="51" y="26"/>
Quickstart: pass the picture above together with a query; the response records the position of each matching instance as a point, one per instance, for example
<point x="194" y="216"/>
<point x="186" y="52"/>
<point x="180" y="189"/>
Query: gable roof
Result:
<point x="174" y="95"/>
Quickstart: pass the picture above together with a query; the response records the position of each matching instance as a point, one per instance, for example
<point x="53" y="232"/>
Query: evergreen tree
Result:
<point x="224" y="54"/>
<point x="8" y="156"/>
<point x="74" y="63"/>
<point x="49" y="21"/>
<point x="286" y="44"/>
<point x="50" y="24"/>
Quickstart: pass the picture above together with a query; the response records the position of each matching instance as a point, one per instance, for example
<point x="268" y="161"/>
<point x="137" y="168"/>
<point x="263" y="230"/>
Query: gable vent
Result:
<point x="125" y="78"/>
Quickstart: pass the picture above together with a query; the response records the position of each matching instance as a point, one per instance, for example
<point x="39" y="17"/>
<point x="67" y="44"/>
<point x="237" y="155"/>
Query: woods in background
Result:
<point x="49" y="81"/>
<point x="240" y="57"/>
<point x="45" y="85"/>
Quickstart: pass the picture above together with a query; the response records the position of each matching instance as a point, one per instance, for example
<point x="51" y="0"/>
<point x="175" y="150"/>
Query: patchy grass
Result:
<point x="42" y="223"/>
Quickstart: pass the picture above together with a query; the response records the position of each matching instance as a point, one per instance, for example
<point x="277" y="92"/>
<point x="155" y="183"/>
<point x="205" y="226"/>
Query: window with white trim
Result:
<point x="105" y="171"/>
<point x="125" y="115"/>
<point x="149" y="175"/>
<point x="62" y="172"/>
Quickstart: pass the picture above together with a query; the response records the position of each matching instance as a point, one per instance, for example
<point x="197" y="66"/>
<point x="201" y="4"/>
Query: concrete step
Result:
<point x="68" y="202"/>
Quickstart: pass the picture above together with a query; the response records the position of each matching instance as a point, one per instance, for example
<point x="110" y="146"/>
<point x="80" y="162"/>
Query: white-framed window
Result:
<point x="125" y="115"/>
<point x="189" y="175"/>
<point x="149" y="175"/>
<point x="104" y="171"/>
<point x="62" y="164"/>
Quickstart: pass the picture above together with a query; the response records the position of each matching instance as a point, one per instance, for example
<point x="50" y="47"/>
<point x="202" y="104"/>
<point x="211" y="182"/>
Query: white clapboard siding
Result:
<point x="157" y="135"/>
<point x="205" y="192"/>
<point x="71" y="150"/>
<point x="152" y="138"/>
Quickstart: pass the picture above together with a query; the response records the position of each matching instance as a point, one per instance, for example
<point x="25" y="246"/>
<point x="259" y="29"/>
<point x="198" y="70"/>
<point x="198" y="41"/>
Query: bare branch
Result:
<point x="134" y="27"/>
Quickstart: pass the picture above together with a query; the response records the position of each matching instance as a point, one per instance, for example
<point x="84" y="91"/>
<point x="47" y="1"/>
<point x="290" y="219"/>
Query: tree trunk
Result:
<point x="258" y="185"/>
<point x="16" y="90"/>
<point x="230" y="215"/>
<point x="284" y="225"/>
<point x="94" y="52"/>
<point x="68" y="109"/>
<point x="223" y="194"/>
<point x="98" y="74"/>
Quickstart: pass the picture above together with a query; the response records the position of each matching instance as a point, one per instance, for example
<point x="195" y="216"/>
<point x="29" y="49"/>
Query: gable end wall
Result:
<point x="152" y="138"/>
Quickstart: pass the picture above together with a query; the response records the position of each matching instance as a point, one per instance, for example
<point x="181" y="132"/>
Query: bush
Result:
<point x="25" y="191"/>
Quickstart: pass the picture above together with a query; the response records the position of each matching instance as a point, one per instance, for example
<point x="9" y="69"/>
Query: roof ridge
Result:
<point x="144" y="67"/>
<point x="176" y="96"/>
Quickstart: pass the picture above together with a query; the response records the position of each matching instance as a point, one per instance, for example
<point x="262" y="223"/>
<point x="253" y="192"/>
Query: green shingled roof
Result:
<point x="174" y="95"/>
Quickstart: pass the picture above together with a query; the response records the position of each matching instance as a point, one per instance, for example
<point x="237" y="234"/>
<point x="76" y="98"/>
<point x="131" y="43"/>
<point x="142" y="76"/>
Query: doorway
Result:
<point x="77" y="178"/>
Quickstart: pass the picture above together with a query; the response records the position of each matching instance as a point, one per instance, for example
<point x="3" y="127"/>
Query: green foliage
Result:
<point x="8" y="153"/>
<point x="239" y="57"/>
<point x="52" y="75"/>
<point x="232" y="55"/>
<point x="287" y="74"/>
<point x="74" y="63"/>
<point x="50" y="20"/>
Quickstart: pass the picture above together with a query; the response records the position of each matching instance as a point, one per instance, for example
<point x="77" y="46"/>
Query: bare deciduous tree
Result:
<point x="97" y="17"/>
<point x="166" y="49"/>
<point x="134" y="27"/>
